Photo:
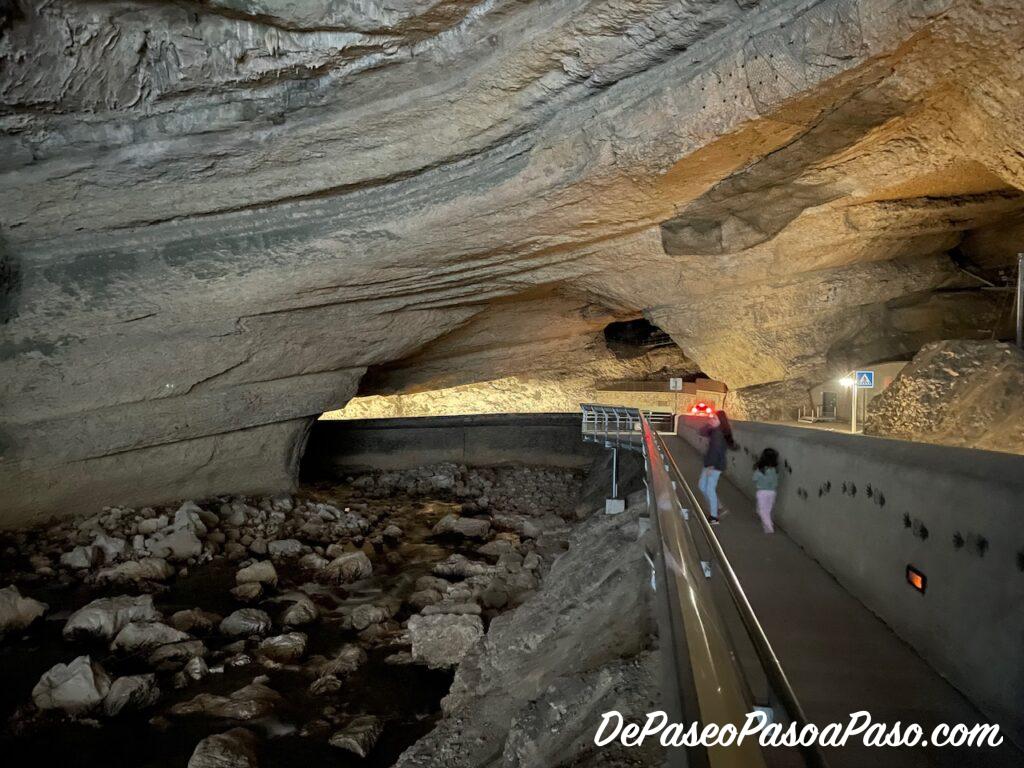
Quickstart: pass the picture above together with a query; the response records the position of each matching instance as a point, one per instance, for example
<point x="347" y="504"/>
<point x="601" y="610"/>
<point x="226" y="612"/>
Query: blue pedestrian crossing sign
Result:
<point x="864" y="379"/>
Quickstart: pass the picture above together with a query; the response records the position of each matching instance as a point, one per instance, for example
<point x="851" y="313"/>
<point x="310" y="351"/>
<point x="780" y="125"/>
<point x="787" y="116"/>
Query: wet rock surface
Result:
<point x="369" y="594"/>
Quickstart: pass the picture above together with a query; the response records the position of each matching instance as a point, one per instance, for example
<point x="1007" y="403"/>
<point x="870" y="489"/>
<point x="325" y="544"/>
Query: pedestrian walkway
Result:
<point x="838" y="655"/>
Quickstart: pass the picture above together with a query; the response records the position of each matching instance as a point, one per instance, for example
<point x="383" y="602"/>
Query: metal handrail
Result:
<point x="702" y="664"/>
<point x="762" y="646"/>
<point x="705" y="678"/>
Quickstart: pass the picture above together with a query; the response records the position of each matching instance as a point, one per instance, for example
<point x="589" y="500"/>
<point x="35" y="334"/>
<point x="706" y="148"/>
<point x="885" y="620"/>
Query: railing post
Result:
<point x="615" y="473"/>
<point x="1020" y="300"/>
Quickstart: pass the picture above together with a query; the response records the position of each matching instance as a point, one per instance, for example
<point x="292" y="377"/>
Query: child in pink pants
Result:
<point x="766" y="483"/>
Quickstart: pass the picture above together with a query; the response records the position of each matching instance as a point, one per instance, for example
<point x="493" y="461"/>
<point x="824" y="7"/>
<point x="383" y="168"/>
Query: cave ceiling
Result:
<point x="216" y="217"/>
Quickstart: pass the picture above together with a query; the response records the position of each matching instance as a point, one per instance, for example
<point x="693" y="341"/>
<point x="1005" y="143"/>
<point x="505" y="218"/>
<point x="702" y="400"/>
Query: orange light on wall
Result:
<point x="916" y="579"/>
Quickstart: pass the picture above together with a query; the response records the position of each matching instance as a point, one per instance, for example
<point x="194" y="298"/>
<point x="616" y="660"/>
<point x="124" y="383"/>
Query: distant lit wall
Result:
<point x="884" y="374"/>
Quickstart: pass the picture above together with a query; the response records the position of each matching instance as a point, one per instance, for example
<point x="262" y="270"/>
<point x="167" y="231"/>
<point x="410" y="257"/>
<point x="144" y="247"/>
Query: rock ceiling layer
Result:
<point x="217" y="216"/>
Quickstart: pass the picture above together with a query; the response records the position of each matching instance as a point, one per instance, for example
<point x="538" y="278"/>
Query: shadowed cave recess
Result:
<point x="221" y="222"/>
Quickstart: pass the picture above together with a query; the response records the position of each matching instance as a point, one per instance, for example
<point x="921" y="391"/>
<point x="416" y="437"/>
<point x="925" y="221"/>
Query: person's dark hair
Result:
<point x="769" y="458"/>
<point x="726" y="428"/>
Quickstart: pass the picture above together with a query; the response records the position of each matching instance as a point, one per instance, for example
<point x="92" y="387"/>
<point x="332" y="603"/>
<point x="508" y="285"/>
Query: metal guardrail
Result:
<point x="708" y="674"/>
<point x="617" y="426"/>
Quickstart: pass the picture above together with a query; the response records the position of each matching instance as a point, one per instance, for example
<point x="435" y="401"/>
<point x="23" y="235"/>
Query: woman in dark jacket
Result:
<point x="719" y="435"/>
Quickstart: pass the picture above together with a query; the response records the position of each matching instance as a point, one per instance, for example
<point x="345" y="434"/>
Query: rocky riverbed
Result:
<point x="323" y="627"/>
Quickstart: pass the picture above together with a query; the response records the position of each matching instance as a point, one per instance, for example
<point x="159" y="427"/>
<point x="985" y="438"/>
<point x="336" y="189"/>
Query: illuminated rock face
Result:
<point x="217" y="218"/>
<point x="965" y="393"/>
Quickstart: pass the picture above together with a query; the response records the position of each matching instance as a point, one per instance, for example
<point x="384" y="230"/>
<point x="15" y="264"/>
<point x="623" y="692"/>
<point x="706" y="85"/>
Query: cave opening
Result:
<point x="633" y="338"/>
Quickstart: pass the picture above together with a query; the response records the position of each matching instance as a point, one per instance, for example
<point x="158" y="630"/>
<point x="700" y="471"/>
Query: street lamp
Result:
<point x="851" y="384"/>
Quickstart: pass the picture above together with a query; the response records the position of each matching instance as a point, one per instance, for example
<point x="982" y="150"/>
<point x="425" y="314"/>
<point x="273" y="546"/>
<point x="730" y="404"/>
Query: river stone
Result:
<point x="349" y="567"/>
<point x="176" y="545"/>
<point x="132" y="692"/>
<point x="146" y="569"/>
<point x="364" y="615"/>
<point x="461" y="567"/>
<point x="313" y="562"/>
<point x="301" y="612"/>
<point x="174" y="655"/>
<point x="17" y="612"/>
<point x="284" y="548"/>
<point x="107" y="616"/>
<point x="449" y="607"/>
<point x="346" y="661"/>
<point x="75" y="688"/>
<point x="468" y="527"/>
<point x="152" y="525"/>
<point x="442" y="640"/>
<point x="82" y="558"/>
<point x="252" y="702"/>
<point x="258" y="547"/>
<point x="196" y="620"/>
<point x="359" y="736"/>
<point x="146" y="636"/>
<point x="424" y="597"/>
<point x="248" y="593"/>
<point x="189" y="517"/>
<point x="246" y="621"/>
<point x="232" y="749"/>
<point x="284" y="649"/>
<point x="262" y="572"/>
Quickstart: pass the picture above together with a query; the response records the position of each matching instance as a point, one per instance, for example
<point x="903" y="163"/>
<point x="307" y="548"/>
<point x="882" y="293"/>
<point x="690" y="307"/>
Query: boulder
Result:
<point x="111" y="547"/>
<point x="324" y="686"/>
<point x="17" y="612"/>
<point x="496" y="595"/>
<point x="447" y="606"/>
<point x="245" y="622"/>
<point x="359" y="736"/>
<point x="248" y="593"/>
<point x="196" y="620"/>
<point x="301" y="612"/>
<point x="262" y="572"/>
<point x="346" y="661"/>
<point x="105" y="617"/>
<point x="252" y="702"/>
<point x="146" y="636"/>
<point x="440" y="641"/>
<point x="313" y="562"/>
<point x="175" y="655"/>
<point x="132" y="692"/>
<point x="75" y="688"/>
<point x="178" y="544"/>
<point x="284" y="649"/>
<point x="467" y="527"/>
<point x="461" y="567"/>
<point x="258" y="547"/>
<point x="364" y="615"/>
<point x="146" y="569"/>
<point x="283" y="548"/>
<point x="424" y="597"/>
<point x="189" y="517"/>
<point x="349" y="567"/>
<point x="195" y="670"/>
<point x="81" y="558"/>
<point x="152" y="525"/>
<point x="232" y="749"/>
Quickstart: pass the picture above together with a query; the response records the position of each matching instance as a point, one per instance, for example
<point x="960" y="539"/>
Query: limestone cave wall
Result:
<point x="220" y="219"/>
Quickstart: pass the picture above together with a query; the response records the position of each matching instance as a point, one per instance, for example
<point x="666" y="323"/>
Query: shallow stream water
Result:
<point x="405" y="697"/>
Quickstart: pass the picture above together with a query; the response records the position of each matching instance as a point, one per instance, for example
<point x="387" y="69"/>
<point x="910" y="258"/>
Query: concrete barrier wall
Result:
<point x="867" y="507"/>
<point x="336" y="447"/>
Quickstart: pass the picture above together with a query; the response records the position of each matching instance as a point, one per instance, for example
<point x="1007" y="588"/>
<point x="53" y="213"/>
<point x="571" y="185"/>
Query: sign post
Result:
<point x="861" y="380"/>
